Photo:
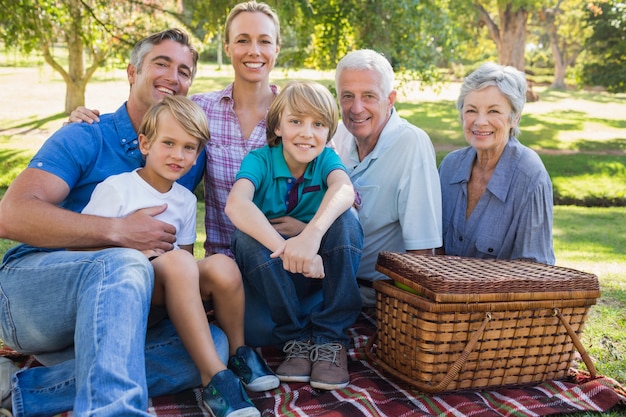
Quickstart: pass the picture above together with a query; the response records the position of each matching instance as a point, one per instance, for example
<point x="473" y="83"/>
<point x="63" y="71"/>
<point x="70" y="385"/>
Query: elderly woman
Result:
<point x="497" y="194"/>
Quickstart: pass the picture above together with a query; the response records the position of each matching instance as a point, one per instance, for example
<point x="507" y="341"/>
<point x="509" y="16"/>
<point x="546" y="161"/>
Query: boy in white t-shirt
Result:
<point x="171" y="136"/>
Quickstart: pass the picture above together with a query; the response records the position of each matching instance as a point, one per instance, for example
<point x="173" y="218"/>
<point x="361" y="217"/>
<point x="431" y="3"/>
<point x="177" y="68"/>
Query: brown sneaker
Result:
<point x="297" y="366"/>
<point x="330" y="366"/>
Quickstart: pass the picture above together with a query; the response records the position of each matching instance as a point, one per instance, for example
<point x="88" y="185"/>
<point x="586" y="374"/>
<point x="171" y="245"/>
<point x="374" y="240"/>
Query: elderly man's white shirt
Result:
<point x="400" y="193"/>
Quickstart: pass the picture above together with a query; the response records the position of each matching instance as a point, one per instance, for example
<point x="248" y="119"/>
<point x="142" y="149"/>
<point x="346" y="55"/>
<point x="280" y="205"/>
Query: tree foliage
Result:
<point x="415" y="35"/>
<point x="91" y="31"/>
<point x="606" y="47"/>
<point x="418" y="36"/>
<point x="205" y="19"/>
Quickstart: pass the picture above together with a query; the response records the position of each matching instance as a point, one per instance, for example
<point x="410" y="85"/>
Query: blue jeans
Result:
<point x="259" y="326"/>
<point x="340" y="250"/>
<point x="97" y="302"/>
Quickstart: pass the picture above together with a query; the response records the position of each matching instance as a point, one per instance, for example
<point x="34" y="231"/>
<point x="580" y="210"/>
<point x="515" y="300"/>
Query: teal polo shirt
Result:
<point x="266" y="168"/>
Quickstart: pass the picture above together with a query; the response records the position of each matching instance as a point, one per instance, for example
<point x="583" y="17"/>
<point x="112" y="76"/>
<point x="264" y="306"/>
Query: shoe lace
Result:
<point x="326" y="352"/>
<point x="297" y="349"/>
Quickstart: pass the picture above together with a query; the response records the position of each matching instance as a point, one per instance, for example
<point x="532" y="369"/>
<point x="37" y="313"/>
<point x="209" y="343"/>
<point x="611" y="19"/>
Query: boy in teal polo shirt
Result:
<point x="291" y="206"/>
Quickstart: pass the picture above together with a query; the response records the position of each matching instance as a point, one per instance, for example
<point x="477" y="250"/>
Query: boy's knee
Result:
<point x="219" y="273"/>
<point x="223" y="281"/>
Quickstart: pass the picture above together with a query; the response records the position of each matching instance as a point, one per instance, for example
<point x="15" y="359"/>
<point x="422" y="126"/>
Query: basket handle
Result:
<point x="453" y="372"/>
<point x="460" y="362"/>
<point x="579" y="346"/>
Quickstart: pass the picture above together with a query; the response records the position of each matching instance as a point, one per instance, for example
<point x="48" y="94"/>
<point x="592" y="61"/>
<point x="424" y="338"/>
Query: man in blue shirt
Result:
<point x="84" y="313"/>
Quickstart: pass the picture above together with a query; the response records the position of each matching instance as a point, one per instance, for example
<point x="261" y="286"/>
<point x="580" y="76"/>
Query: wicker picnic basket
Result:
<point x="465" y="323"/>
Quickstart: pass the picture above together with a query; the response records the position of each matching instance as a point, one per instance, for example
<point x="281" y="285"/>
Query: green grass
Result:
<point x="588" y="179"/>
<point x="12" y="162"/>
<point x="591" y="240"/>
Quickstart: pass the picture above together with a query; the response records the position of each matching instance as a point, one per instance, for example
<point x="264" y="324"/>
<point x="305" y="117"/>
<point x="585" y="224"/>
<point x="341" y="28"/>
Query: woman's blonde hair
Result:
<point x="303" y="98"/>
<point x="188" y="114"/>
<point x="252" y="7"/>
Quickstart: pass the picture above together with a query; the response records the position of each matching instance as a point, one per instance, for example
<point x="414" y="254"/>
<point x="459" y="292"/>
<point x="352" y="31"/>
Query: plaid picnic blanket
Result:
<point x="373" y="393"/>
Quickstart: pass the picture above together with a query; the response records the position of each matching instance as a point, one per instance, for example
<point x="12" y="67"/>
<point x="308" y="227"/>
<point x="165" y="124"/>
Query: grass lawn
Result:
<point x="580" y="136"/>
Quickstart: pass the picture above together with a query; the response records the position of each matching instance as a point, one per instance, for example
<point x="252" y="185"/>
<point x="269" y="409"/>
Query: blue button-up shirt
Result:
<point x="513" y="217"/>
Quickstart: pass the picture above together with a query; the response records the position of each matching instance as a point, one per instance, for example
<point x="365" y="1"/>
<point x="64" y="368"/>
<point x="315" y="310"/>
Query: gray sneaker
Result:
<point x="297" y="366"/>
<point x="330" y="366"/>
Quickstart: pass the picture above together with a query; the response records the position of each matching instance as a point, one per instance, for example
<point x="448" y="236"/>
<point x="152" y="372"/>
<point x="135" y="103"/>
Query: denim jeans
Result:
<point x="340" y="250"/>
<point x="259" y="326"/>
<point x="97" y="302"/>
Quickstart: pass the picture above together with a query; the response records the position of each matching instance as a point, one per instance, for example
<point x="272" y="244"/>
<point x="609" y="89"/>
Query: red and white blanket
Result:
<point x="374" y="393"/>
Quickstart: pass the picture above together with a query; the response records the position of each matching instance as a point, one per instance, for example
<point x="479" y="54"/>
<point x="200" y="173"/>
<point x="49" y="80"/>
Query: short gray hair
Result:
<point x="510" y="81"/>
<point x="367" y="59"/>
<point x="145" y="45"/>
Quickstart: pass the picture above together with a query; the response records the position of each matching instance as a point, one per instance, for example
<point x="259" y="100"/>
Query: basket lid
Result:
<point x="456" y="279"/>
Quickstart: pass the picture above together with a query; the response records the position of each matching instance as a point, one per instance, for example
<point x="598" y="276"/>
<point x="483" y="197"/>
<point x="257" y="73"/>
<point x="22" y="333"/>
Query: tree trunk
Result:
<point x="548" y="17"/>
<point x="509" y="37"/>
<point x="74" y="97"/>
<point x="513" y="36"/>
<point x="75" y="83"/>
<point x="75" y="77"/>
<point x="220" y="47"/>
<point x="74" y="90"/>
<point x="559" y="69"/>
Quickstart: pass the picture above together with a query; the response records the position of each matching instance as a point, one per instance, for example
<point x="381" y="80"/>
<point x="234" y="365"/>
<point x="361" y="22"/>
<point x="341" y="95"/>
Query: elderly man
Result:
<point x="391" y="164"/>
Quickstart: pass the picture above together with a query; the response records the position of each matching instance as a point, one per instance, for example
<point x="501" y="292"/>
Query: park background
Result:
<point x="574" y="53"/>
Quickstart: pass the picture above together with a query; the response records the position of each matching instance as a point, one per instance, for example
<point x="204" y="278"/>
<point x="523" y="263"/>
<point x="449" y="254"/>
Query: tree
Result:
<point x="606" y="47"/>
<point x="414" y="35"/>
<point x="566" y="35"/>
<point x="418" y="36"/>
<point x="206" y="20"/>
<point x="96" y="28"/>
<point x="508" y="31"/>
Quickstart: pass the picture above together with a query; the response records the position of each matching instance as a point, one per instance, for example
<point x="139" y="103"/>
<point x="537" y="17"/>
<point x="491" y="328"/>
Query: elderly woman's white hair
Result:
<point x="510" y="81"/>
<point x="364" y="60"/>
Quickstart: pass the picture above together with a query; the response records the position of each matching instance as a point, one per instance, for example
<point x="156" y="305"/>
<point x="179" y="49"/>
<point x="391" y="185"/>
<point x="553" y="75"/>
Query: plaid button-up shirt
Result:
<point x="224" y="154"/>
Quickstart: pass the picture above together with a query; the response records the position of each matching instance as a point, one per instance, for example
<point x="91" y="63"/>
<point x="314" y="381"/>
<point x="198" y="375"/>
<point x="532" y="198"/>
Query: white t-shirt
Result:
<point x="122" y="194"/>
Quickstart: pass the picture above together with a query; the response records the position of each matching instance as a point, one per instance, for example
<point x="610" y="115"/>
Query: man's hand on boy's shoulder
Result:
<point x="83" y="114"/>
